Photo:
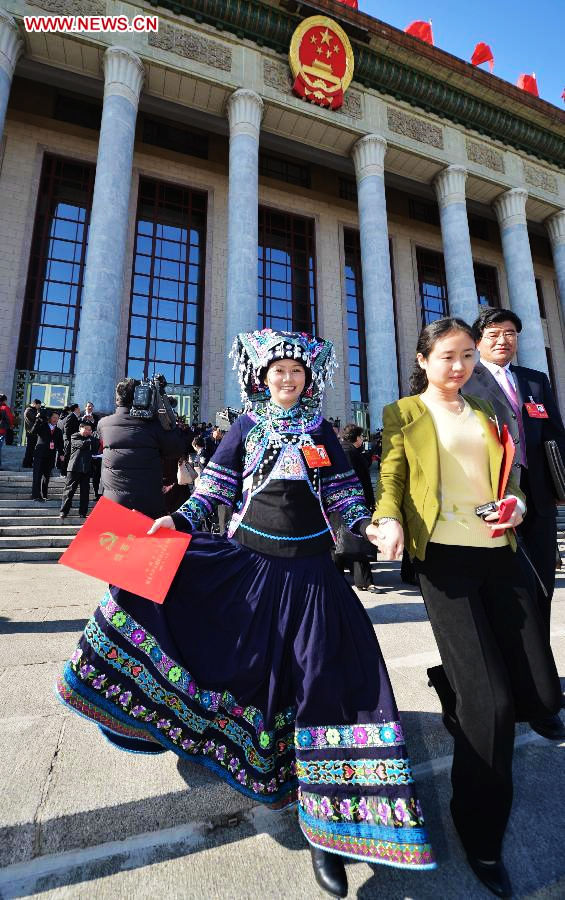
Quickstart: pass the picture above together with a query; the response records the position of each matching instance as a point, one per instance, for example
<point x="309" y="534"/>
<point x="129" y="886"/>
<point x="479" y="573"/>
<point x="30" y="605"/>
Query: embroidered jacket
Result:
<point x="281" y="506"/>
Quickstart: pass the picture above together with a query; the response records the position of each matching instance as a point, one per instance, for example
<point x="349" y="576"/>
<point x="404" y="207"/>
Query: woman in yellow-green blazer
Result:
<point x="441" y="459"/>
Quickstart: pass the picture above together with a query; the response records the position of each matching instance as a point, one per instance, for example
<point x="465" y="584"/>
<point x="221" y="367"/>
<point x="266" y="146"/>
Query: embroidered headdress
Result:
<point x="253" y="351"/>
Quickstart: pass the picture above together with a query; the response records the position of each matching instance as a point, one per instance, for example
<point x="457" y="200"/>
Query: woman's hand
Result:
<point x="515" y="519"/>
<point x="389" y="538"/>
<point x="163" y="522"/>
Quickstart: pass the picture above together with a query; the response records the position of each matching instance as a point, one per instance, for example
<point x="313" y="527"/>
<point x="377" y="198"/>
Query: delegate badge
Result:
<point x="536" y="410"/>
<point x="321" y="61"/>
<point x="316" y="456"/>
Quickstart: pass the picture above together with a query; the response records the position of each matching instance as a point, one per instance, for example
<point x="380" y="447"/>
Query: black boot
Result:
<point x="493" y="875"/>
<point x="329" y="872"/>
<point x="438" y="680"/>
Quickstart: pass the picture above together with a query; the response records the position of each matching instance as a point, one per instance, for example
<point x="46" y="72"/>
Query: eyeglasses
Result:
<point x="493" y="336"/>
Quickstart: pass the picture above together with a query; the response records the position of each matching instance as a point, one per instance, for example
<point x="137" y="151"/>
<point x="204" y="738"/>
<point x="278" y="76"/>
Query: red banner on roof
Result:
<point x="528" y="83"/>
<point x="482" y="54"/>
<point x="352" y="3"/>
<point x="422" y="30"/>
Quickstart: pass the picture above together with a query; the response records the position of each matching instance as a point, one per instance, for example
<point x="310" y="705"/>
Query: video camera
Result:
<point x="151" y="402"/>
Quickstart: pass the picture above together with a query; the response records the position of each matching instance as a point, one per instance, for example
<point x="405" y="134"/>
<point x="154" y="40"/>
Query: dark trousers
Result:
<point x="359" y="567"/>
<point x="74" y="480"/>
<point x="96" y="475"/>
<point x="539" y="535"/>
<point x="30" y="447"/>
<point x="497" y="659"/>
<point x="43" y="462"/>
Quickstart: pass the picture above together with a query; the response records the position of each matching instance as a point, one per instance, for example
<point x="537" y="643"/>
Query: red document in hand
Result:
<point x="509" y="449"/>
<point x="113" y="545"/>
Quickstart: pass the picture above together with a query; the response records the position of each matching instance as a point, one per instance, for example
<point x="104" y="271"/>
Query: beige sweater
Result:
<point x="464" y="479"/>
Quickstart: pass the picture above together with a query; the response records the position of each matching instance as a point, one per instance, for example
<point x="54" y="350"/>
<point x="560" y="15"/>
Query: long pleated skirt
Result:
<point x="267" y="671"/>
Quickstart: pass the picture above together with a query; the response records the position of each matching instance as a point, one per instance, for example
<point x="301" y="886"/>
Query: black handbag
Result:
<point x="352" y="545"/>
<point x="556" y="468"/>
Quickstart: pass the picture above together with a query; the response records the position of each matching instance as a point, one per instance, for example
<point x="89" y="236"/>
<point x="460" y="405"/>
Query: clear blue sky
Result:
<point x="524" y="35"/>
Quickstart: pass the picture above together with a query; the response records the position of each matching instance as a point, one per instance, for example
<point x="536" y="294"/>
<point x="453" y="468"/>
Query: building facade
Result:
<point x="160" y="192"/>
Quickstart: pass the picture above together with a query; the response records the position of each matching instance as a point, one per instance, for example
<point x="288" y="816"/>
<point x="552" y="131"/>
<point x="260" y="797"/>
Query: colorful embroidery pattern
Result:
<point x="354" y="771"/>
<point x="217" y="484"/>
<point x="342" y="493"/>
<point x="384" y="811"/>
<point x="278" y="781"/>
<point x="409" y="854"/>
<point x="320" y="737"/>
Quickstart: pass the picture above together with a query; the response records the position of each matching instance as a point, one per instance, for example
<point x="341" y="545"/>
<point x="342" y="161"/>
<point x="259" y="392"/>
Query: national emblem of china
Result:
<point x="321" y="61"/>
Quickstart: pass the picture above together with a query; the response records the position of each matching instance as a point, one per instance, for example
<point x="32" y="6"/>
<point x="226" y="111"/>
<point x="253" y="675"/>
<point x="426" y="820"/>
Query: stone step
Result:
<point x="32" y="543"/>
<point x="6" y="506"/>
<point x="34" y="521"/>
<point x="37" y="511"/>
<point x="56" y="527"/>
<point x="29" y="554"/>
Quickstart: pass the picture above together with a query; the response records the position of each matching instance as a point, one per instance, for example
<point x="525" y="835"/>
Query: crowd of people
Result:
<point x="262" y="664"/>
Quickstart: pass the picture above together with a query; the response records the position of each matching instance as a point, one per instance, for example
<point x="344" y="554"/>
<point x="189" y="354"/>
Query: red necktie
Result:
<point x="512" y="396"/>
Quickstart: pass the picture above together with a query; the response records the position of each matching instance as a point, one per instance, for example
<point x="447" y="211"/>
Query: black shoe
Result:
<point x="63" y="515"/>
<point x="551" y="728"/>
<point x="38" y="499"/>
<point x="493" y="875"/>
<point x="438" y="680"/>
<point x="329" y="872"/>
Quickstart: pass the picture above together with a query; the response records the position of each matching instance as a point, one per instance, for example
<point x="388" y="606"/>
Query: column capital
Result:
<point x="245" y="111"/>
<point x="555" y="225"/>
<point x="124" y="74"/>
<point x="11" y="43"/>
<point x="369" y="156"/>
<point x="449" y="185"/>
<point x="510" y="207"/>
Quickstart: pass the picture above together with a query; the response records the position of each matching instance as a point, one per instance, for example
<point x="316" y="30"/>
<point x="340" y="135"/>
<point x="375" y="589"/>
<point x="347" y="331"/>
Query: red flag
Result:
<point x="482" y="54"/>
<point x="528" y="83"/>
<point x="352" y="3"/>
<point x="563" y="95"/>
<point x="422" y="30"/>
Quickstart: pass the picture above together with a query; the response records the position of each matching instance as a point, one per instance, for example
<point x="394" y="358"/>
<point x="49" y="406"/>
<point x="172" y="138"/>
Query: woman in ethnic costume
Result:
<point x="262" y="663"/>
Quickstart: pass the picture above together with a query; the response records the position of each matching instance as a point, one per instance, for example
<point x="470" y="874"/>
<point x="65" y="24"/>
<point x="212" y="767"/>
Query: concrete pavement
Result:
<point x="82" y="820"/>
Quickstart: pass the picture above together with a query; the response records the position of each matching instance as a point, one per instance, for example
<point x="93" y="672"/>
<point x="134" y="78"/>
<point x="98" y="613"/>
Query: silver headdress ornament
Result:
<point x="253" y="351"/>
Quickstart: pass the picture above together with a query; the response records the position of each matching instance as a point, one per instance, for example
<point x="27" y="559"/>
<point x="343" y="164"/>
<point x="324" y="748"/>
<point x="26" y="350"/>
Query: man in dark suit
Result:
<point x="511" y="389"/>
<point x="48" y="452"/>
<point x="70" y="427"/>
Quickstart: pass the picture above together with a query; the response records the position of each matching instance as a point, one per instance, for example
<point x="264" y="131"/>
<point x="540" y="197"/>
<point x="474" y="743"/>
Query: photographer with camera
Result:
<point x="47" y="453"/>
<point x="136" y="438"/>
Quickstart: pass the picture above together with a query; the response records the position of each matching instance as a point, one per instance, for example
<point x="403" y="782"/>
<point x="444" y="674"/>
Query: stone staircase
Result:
<point x="29" y="531"/>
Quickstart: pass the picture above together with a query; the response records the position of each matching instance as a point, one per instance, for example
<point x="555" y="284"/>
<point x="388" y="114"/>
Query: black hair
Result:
<point x="124" y="392"/>
<point x="490" y="315"/>
<point x="3" y="398"/>
<point x="36" y="401"/>
<point x="74" y="406"/>
<point x="426" y="342"/>
<point x="351" y="432"/>
<point x="199" y="441"/>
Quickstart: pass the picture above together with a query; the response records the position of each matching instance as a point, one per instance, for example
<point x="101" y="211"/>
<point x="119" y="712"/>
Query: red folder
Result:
<point x="509" y="449"/>
<point x="113" y="545"/>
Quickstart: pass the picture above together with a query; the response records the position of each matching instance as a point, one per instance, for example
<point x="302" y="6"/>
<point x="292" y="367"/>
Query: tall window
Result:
<point x="541" y="302"/>
<point x="355" y="317"/>
<point x="286" y="272"/>
<point x="432" y="283"/>
<point x="50" y="318"/>
<point x="487" y="285"/>
<point x="165" y="324"/>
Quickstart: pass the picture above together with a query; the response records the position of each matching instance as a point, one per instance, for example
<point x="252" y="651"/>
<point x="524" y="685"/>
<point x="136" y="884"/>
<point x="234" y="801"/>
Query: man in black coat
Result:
<point x="48" y="451"/>
<point x="30" y="415"/>
<point x="83" y="447"/>
<point x="515" y="393"/>
<point x="70" y="427"/>
<point x="132" y="471"/>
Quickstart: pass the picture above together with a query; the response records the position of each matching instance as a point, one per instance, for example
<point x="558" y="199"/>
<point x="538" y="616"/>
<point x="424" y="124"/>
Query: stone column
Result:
<point x="556" y="229"/>
<point x="244" y="110"/>
<point x="97" y="359"/>
<point x="510" y="209"/>
<point x="450" y="191"/>
<point x="368" y="158"/>
<point x="11" y="46"/>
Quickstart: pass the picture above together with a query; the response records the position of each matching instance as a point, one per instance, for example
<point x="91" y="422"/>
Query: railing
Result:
<point x="52" y="388"/>
<point x="361" y="417"/>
